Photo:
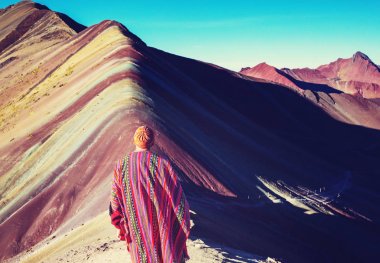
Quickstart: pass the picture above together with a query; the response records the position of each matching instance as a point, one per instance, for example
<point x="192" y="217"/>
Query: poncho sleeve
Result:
<point x="116" y="206"/>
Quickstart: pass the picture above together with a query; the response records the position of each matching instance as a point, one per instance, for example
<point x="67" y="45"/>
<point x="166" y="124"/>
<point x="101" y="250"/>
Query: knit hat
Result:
<point x="144" y="137"/>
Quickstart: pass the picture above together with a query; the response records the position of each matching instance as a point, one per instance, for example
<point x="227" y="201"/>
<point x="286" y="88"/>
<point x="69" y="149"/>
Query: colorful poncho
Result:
<point x="150" y="209"/>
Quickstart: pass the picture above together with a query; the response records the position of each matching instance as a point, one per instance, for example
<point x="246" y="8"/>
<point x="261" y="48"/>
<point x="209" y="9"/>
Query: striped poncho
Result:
<point x="150" y="209"/>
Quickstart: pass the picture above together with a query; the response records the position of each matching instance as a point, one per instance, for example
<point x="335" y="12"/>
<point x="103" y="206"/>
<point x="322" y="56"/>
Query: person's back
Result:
<point x="147" y="195"/>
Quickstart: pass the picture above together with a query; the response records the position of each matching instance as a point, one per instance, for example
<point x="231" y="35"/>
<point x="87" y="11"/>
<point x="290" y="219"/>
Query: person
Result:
<point x="148" y="205"/>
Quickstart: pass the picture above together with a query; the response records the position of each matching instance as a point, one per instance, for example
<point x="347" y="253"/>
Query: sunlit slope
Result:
<point x="51" y="129"/>
<point x="64" y="135"/>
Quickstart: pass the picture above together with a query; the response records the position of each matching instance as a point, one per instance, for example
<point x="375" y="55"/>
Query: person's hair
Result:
<point x="143" y="137"/>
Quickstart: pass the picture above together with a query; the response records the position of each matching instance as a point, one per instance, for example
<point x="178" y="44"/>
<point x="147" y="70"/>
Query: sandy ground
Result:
<point x="96" y="241"/>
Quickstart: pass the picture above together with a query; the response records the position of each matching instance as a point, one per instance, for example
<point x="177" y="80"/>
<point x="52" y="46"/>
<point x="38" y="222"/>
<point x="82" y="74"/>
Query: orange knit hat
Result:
<point x="144" y="137"/>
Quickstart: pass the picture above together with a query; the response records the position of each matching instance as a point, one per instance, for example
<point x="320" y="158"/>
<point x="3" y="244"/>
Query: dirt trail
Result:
<point x="96" y="241"/>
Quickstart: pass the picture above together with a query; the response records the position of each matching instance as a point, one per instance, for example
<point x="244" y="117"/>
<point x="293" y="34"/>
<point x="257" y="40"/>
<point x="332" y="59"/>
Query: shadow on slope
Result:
<point x="235" y="129"/>
<point x="308" y="85"/>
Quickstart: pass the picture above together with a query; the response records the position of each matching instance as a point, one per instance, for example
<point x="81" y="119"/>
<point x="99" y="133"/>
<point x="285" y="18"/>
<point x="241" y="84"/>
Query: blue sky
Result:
<point x="235" y="34"/>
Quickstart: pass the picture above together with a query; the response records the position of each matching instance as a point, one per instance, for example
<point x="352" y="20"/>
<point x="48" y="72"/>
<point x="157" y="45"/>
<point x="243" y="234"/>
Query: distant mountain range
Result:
<point x="357" y="75"/>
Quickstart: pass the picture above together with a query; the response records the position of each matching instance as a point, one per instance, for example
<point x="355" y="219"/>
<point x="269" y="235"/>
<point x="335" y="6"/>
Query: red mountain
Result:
<point x="356" y="75"/>
<point x="267" y="72"/>
<point x="353" y="75"/>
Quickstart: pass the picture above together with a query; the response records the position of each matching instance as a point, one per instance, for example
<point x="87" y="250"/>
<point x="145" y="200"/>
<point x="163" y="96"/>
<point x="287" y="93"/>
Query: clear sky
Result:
<point x="235" y="34"/>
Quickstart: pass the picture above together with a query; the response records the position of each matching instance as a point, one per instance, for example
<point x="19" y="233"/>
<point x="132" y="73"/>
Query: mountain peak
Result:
<point x="258" y="66"/>
<point x="360" y="55"/>
<point x="27" y="9"/>
<point x="29" y="3"/>
<point x="124" y="30"/>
